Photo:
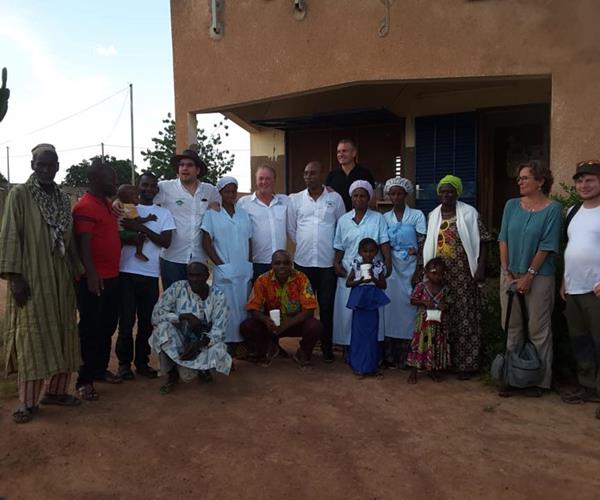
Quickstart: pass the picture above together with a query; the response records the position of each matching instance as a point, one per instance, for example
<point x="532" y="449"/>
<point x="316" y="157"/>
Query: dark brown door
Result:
<point x="508" y="137"/>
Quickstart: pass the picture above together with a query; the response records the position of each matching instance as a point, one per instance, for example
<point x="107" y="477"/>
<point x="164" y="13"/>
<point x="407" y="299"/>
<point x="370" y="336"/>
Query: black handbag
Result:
<point x="521" y="367"/>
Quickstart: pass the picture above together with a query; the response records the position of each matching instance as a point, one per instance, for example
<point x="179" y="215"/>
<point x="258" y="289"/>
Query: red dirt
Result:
<point x="281" y="432"/>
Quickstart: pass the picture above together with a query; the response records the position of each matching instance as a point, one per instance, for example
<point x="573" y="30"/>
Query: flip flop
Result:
<point x="60" y="400"/>
<point x="167" y="387"/>
<point x="87" y="393"/>
<point x="23" y="414"/>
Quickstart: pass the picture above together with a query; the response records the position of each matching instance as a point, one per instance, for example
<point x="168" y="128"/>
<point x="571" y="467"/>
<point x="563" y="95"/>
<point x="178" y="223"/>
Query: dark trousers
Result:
<point x="256" y="333"/>
<point x="258" y="269"/>
<point x="170" y="272"/>
<point x="138" y="297"/>
<point x="98" y="317"/>
<point x="583" y="318"/>
<point x="323" y="282"/>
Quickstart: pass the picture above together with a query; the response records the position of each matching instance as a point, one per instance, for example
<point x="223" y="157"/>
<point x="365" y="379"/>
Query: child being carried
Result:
<point x="128" y="195"/>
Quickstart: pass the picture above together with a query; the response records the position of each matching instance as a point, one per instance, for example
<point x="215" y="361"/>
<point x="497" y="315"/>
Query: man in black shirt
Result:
<point x="341" y="178"/>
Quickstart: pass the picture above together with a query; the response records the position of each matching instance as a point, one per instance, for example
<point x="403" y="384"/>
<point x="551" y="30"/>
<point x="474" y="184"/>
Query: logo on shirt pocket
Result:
<point x="179" y="203"/>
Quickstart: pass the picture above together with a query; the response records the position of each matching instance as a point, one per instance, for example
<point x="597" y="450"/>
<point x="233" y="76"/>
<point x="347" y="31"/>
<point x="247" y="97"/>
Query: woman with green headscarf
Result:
<point x="455" y="233"/>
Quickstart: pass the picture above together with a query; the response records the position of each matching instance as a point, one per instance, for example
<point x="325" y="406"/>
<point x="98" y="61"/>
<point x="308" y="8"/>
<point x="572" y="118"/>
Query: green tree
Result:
<point x="209" y="148"/>
<point x="77" y="174"/>
<point x="3" y="180"/>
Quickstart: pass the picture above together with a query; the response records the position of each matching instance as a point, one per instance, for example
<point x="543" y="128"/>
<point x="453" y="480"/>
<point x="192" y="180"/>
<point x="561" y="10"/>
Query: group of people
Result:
<point x="393" y="290"/>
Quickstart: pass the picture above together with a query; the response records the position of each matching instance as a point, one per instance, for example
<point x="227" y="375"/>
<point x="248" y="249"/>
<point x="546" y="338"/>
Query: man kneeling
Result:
<point x="288" y="296"/>
<point x="189" y="321"/>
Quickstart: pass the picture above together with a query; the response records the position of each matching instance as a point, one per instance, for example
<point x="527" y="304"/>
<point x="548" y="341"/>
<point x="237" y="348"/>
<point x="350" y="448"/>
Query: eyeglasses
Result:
<point x="524" y="178"/>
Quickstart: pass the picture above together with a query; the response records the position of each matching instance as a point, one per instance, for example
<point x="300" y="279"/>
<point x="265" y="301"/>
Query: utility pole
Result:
<point x="102" y="149"/>
<point x="8" y="166"/>
<point x="131" y="117"/>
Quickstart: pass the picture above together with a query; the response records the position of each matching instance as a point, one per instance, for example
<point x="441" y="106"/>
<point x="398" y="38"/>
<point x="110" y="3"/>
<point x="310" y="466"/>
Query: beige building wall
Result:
<point x="265" y="53"/>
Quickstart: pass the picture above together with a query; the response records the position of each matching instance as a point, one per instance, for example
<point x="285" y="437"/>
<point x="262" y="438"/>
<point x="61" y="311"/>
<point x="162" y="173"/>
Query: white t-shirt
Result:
<point x="582" y="255"/>
<point x="187" y="210"/>
<point x="129" y="262"/>
<point x="269" y="225"/>
<point x="311" y="225"/>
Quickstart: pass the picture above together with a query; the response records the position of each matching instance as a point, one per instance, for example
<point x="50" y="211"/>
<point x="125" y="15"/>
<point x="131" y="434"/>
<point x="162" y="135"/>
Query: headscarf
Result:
<point x="366" y="185"/>
<point x="454" y="181"/>
<point x="400" y="182"/>
<point x="223" y="181"/>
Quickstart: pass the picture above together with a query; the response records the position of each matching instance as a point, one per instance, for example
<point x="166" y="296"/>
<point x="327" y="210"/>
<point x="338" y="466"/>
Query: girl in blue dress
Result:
<point x="367" y="280"/>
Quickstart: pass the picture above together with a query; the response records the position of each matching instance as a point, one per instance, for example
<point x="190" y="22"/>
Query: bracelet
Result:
<point x="532" y="271"/>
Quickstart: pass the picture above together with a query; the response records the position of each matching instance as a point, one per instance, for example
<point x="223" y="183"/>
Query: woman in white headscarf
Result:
<point x="406" y="230"/>
<point x="226" y="240"/>
<point x="361" y="222"/>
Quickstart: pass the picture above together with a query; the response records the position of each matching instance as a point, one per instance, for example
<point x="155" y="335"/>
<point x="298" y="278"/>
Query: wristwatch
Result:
<point x="532" y="271"/>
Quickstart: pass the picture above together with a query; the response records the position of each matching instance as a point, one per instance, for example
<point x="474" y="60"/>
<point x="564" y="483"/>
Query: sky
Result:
<point x="66" y="56"/>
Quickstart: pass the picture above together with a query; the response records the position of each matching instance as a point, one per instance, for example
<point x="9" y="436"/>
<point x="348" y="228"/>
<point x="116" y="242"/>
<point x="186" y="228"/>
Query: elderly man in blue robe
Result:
<point x="189" y="321"/>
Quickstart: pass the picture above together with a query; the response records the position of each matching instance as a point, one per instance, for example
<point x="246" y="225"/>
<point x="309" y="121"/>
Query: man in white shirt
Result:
<point x="581" y="283"/>
<point x="138" y="280"/>
<point x="312" y="218"/>
<point x="187" y="199"/>
<point x="268" y="215"/>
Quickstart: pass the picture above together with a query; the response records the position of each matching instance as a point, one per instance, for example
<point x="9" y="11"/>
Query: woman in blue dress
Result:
<point x="406" y="230"/>
<point x="367" y="282"/>
<point x="226" y="240"/>
<point x="359" y="223"/>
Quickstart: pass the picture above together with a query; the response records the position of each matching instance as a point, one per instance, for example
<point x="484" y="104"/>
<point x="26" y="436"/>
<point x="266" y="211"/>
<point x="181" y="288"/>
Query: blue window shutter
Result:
<point x="445" y="144"/>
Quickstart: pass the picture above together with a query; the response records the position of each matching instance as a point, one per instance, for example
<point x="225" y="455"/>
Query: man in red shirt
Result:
<point x="97" y="233"/>
<point x="288" y="291"/>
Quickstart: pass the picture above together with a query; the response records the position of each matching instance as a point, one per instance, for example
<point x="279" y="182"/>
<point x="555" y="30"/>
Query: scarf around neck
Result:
<point x="56" y="212"/>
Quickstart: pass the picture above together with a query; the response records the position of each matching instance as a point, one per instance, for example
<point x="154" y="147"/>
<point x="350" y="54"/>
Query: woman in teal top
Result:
<point x="529" y="239"/>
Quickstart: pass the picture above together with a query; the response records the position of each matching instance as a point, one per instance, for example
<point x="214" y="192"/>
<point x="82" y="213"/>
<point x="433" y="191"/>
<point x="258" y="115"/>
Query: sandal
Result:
<point x="533" y="392"/>
<point x="580" y="396"/>
<point x="205" y="376"/>
<point x="24" y="414"/>
<point x="167" y="387"/>
<point x="87" y="392"/>
<point x="60" y="400"/>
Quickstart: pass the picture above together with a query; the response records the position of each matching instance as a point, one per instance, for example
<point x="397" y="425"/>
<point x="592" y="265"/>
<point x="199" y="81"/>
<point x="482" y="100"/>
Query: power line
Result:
<point x="59" y="150"/>
<point x="66" y="117"/>
<point x="118" y="118"/>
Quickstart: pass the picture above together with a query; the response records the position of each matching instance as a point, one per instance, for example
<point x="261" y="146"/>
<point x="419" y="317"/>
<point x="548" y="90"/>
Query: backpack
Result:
<point x="522" y="367"/>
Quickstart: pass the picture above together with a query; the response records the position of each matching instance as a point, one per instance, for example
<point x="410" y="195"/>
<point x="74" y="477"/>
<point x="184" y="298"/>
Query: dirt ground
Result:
<point x="286" y="433"/>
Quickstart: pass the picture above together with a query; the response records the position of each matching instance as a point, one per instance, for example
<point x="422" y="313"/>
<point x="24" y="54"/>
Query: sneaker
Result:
<point x="125" y="372"/>
<point x="146" y="371"/>
<point x="108" y="377"/>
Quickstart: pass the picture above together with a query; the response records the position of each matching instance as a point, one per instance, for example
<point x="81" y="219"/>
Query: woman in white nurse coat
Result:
<point x="226" y="237"/>
<point x="406" y="229"/>
<point x="361" y="222"/>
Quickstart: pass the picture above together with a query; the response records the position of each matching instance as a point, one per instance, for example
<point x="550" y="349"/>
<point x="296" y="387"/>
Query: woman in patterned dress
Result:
<point x="455" y="233"/>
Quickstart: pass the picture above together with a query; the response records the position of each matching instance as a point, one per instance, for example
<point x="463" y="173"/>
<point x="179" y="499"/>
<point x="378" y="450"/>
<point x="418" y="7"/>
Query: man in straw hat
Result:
<point x="187" y="198"/>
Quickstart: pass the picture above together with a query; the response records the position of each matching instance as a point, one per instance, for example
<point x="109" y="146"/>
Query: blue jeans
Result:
<point x="170" y="272"/>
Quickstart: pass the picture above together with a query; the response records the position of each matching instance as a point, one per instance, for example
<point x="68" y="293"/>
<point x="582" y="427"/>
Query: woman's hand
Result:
<point x="524" y="283"/>
<point x="479" y="274"/>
